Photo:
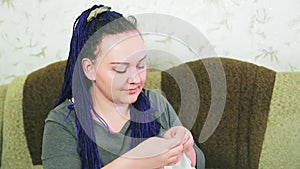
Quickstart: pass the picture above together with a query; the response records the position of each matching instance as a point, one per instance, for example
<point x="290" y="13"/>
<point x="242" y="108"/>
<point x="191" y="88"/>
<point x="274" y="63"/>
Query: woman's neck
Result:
<point x="115" y="115"/>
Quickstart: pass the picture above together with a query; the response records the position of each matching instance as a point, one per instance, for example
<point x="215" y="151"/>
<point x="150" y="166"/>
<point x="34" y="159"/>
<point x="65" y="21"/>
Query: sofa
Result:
<point x="258" y="128"/>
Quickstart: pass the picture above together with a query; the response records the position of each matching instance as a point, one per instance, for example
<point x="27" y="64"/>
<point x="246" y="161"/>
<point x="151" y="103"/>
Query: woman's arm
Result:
<point x="153" y="153"/>
<point x="59" y="147"/>
<point x="59" y="151"/>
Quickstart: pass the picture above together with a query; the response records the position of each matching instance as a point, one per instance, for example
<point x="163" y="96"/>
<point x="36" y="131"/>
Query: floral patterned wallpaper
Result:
<point x="35" y="33"/>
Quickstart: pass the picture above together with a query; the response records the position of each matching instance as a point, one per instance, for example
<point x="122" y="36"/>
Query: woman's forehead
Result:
<point x="123" y="46"/>
<point x="126" y="38"/>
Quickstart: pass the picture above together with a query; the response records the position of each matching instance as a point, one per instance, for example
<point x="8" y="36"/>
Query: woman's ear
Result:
<point x="89" y="68"/>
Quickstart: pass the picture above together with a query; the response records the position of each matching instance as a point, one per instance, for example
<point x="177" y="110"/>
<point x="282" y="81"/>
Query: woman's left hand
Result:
<point x="181" y="133"/>
<point x="187" y="141"/>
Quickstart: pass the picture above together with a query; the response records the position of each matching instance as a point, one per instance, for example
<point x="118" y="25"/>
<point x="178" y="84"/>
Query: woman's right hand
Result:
<point x="155" y="153"/>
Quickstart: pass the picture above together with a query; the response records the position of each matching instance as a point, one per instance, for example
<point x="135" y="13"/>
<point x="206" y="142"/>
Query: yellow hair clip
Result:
<point x="97" y="11"/>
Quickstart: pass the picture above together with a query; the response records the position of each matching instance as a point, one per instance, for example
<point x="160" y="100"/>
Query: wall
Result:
<point x="35" y="33"/>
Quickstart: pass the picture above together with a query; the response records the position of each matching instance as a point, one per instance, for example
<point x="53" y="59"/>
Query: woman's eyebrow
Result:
<point x="126" y="63"/>
<point x="119" y="63"/>
<point x="143" y="58"/>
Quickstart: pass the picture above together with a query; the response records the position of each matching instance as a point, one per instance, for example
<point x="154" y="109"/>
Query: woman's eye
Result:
<point x="141" y="66"/>
<point x="120" y="69"/>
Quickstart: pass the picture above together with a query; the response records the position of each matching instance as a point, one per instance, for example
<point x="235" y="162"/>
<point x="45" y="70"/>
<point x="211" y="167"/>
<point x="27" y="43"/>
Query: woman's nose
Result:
<point x="134" y="78"/>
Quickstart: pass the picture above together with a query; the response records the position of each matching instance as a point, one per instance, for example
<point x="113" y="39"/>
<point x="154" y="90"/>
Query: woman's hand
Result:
<point x="187" y="141"/>
<point x="155" y="153"/>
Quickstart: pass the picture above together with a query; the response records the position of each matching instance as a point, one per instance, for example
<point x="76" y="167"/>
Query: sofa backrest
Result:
<point x="40" y="91"/>
<point x="238" y="138"/>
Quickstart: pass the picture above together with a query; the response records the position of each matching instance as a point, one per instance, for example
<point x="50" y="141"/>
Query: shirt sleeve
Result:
<point x="173" y="119"/>
<point x="165" y="114"/>
<point x="59" y="144"/>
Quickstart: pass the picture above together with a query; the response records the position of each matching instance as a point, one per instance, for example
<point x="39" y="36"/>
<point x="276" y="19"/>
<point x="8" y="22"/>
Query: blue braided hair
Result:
<point x="142" y="124"/>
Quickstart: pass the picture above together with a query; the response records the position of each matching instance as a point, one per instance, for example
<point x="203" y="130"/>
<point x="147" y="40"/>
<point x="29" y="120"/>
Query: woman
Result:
<point x="103" y="118"/>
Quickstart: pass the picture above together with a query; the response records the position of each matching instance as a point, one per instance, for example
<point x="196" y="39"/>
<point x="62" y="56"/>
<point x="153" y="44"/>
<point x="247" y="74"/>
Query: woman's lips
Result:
<point x="133" y="91"/>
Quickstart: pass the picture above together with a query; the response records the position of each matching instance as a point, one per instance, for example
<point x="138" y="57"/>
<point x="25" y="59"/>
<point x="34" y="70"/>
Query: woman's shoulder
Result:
<point x="160" y="102"/>
<point x="166" y="114"/>
<point x="61" y="113"/>
<point x="155" y="95"/>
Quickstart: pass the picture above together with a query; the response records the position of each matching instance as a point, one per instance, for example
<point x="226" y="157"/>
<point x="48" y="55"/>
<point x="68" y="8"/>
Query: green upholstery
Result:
<point x="15" y="152"/>
<point x="3" y="89"/>
<point x="28" y="101"/>
<point x="257" y="130"/>
<point x="281" y="148"/>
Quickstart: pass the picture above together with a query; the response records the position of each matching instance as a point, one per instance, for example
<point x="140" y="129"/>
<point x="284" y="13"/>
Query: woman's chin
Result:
<point x="132" y="99"/>
<point x="129" y="97"/>
<point x="133" y="96"/>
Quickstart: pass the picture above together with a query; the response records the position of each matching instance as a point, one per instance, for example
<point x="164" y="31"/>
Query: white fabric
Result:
<point x="184" y="163"/>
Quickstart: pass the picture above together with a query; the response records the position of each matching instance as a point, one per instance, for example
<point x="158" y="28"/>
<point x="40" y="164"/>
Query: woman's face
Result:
<point x="120" y="68"/>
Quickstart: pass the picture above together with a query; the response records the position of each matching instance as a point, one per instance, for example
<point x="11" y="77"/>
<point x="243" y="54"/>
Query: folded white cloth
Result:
<point x="184" y="163"/>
